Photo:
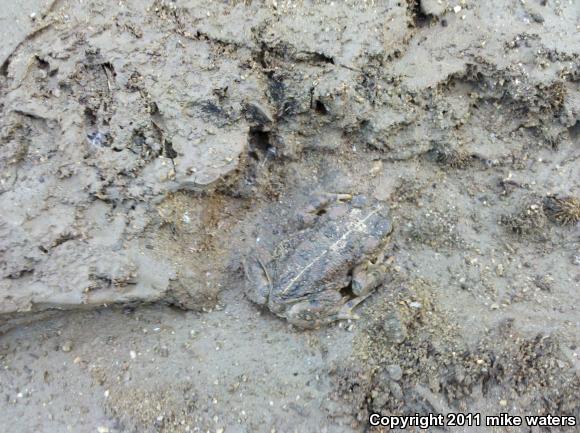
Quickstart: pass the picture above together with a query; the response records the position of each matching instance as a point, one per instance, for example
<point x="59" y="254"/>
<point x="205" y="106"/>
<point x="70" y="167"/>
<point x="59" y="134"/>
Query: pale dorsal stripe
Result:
<point x="358" y="225"/>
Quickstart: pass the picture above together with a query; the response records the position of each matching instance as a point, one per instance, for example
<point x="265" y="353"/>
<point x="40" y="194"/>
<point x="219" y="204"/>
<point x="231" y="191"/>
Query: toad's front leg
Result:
<point x="366" y="277"/>
<point x="369" y="275"/>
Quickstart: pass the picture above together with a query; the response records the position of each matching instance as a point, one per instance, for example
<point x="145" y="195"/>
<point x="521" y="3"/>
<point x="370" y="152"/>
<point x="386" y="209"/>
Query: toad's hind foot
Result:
<point x="346" y="312"/>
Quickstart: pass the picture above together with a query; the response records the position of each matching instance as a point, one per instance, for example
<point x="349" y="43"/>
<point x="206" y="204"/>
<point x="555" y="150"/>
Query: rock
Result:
<point x="537" y="17"/>
<point x="396" y="390"/>
<point x="394" y="329"/>
<point x="67" y="346"/>
<point x="433" y="7"/>
<point x="395" y="372"/>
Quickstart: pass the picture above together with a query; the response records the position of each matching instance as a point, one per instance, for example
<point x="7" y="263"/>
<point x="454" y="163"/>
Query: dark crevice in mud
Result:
<point x="285" y="104"/>
<point x="266" y="55"/>
<point x="320" y="108"/>
<point x="259" y="143"/>
<point x="201" y="36"/>
<point x="20" y="274"/>
<point x="30" y="115"/>
<point x="314" y="57"/>
<point x="574" y="131"/>
<point x="108" y="67"/>
<point x="90" y="116"/>
<point x="346" y="291"/>
<point x="157" y="131"/>
<point x="110" y="73"/>
<point x="261" y="56"/>
<point x="41" y="63"/>
<point x="169" y="150"/>
<point x="420" y="19"/>
<point x="154" y="109"/>
<point x="64" y="238"/>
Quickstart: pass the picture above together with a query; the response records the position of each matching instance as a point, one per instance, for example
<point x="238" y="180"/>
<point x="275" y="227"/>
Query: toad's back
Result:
<point x="326" y="253"/>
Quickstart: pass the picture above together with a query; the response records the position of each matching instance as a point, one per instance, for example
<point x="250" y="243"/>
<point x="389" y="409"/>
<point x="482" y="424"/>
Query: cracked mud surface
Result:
<point x="146" y="147"/>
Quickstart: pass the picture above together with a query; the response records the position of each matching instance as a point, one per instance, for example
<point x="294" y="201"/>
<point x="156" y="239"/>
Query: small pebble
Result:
<point x="503" y="403"/>
<point x="537" y="17"/>
<point x="67" y="346"/>
<point x="395" y="372"/>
